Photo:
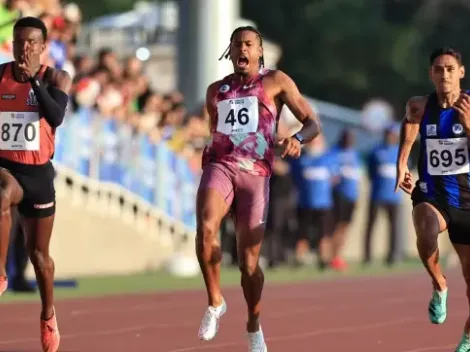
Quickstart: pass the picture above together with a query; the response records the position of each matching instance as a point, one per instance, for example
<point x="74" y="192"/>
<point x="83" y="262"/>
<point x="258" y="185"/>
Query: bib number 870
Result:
<point x="12" y="131"/>
<point x="242" y="117"/>
<point x="446" y="159"/>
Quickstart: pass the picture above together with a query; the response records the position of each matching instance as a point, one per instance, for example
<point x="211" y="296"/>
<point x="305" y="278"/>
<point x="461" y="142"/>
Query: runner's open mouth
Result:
<point x="242" y="61"/>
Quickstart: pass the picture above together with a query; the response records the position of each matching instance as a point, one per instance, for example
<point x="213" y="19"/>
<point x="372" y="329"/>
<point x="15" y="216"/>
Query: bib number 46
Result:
<point x="446" y="159"/>
<point x="241" y="117"/>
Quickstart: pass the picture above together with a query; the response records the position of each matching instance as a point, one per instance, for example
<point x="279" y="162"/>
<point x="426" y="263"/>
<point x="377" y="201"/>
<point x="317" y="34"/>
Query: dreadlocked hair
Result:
<point x="226" y="54"/>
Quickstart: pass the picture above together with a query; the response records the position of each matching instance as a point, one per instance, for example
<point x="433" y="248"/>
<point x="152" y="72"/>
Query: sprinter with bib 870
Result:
<point x="441" y="198"/>
<point x="33" y="101"/>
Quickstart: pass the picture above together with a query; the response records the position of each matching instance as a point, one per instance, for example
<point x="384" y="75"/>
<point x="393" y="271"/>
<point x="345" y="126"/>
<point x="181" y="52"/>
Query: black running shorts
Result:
<point x="314" y="224"/>
<point x="343" y="208"/>
<point x="37" y="182"/>
<point x="457" y="220"/>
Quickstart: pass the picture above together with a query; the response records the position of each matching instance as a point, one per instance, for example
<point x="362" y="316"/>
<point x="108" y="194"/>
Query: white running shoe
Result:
<point x="210" y="321"/>
<point x="256" y="341"/>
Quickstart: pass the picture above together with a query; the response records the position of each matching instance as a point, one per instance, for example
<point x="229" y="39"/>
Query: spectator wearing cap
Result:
<point x="382" y="172"/>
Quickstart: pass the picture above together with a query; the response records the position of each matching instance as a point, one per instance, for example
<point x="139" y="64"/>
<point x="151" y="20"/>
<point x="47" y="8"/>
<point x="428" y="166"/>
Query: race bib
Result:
<point x="19" y="130"/>
<point x="447" y="156"/>
<point x="240" y="115"/>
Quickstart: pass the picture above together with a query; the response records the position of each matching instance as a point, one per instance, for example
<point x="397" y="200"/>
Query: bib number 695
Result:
<point x="446" y="159"/>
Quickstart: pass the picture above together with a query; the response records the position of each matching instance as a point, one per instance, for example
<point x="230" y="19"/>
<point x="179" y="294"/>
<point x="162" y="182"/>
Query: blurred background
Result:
<point x="129" y="153"/>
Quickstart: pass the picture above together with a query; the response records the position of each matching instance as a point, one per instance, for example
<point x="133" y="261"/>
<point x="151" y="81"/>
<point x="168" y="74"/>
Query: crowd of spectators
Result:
<point x="116" y="87"/>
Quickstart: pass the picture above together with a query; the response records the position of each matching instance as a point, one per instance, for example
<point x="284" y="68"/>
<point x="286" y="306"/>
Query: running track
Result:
<point x="354" y="314"/>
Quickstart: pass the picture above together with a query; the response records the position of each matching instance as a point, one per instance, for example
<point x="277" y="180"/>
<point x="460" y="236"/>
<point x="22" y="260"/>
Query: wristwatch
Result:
<point x="299" y="137"/>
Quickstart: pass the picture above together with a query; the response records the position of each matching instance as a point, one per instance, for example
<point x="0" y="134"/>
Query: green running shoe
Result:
<point x="438" y="307"/>
<point x="464" y="345"/>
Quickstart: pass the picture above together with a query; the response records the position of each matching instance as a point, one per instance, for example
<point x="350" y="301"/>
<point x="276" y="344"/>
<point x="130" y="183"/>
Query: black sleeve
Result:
<point x="52" y="102"/>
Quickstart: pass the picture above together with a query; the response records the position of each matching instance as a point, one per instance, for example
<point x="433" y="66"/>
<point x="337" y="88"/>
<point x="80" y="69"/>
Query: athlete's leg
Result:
<point x="38" y="233"/>
<point x="252" y="199"/>
<point x="37" y="211"/>
<point x="211" y="208"/>
<point x="11" y="194"/>
<point x="428" y="223"/>
<point x="463" y="252"/>
<point x="215" y="194"/>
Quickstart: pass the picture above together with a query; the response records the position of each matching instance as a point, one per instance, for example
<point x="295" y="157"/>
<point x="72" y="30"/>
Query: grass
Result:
<point x="154" y="282"/>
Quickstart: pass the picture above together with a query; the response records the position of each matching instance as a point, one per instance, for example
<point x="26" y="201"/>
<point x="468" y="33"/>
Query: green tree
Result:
<point x="93" y="8"/>
<point x="348" y="51"/>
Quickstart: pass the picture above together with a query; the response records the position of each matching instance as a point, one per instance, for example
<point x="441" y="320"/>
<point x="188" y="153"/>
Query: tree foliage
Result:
<point x="348" y="51"/>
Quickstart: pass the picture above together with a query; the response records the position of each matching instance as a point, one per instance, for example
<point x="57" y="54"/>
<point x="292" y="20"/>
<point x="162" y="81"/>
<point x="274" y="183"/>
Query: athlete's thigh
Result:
<point x="251" y="211"/>
<point x="38" y="196"/>
<point x="214" y="197"/>
<point x="428" y="218"/>
<point x="37" y="210"/>
<point x="10" y="187"/>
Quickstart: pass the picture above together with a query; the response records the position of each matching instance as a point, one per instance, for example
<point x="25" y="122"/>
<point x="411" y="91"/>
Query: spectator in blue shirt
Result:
<point x="382" y="173"/>
<point x="313" y="173"/>
<point x="345" y="193"/>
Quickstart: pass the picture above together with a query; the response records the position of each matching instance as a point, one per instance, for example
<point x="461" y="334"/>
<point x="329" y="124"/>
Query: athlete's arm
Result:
<point x="209" y="108"/>
<point x="410" y="127"/>
<point x="301" y="109"/>
<point x="462" y="106"/>
<point x="53" y="99"/>
<point x="408" y="133"/>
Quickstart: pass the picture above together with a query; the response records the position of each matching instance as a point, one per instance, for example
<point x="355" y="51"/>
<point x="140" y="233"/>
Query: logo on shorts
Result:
<point x="43" y="206"/>
<point x="8" y="96"/>
<point x="431" y="130"/>
<point x="224" y="89"/>
<point x="32" y="100"/>
<point x="457" y="128"/>
<point x="424" y="187"/>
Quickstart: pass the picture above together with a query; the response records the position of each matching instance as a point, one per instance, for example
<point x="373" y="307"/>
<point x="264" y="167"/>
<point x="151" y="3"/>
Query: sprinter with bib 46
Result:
<point x="33" y="101"/>
<point x="441" y="198"/>
<point x="244" y="112"/>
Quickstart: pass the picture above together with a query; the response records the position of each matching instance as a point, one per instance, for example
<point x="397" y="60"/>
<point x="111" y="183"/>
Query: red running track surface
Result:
<point x="386" y="314"/>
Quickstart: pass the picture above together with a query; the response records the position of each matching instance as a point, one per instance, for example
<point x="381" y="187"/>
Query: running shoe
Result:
<point x="210" y="321"/>
<point x="50" y="336"/>
<point x="464" y="345"/>
<point x="438" y="307"/>
<point x="3" y="284"/>
<point x="256" y="341"/>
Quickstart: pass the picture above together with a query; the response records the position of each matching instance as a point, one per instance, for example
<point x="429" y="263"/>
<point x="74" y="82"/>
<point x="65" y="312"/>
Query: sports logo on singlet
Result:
<point x="238" y="115"/>
<point x="32" y="100"/>
<point x="431" y="130"/>
<point x="224" y="89"/>
<point x="19" y="130"/>
<point x="447" y="156"/>
<point x="457" y="129"/>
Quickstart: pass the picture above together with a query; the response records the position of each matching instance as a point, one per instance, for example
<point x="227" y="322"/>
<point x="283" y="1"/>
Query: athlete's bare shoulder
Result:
<point x="279" y="84"/>
<point x="3" y="67"/>
<point x="60" y="79"/>
<point x="415" y="107"/>
<point x="211" y="92"/>
<point x="277" y="77"/>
